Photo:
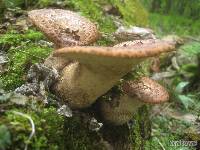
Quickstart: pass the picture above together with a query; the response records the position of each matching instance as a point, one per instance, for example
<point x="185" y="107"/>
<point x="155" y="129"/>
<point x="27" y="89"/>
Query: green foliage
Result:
<point x="93" y="10"/>
<point x="167" y="130"/>
<point x="192" y="48"/>
<point x="132" y="11"/>
<point x="46" y="3"/>
<point x="21" y="53"/>
<point x="185" y="8"/>
<point x="13" y="3"/>
<point x="171" y="24"/>
<point x="5" y="138"/>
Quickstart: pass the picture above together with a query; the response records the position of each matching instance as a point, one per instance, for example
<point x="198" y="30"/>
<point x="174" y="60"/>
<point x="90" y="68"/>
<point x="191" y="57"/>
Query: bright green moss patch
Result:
<point x="22" y="52"/>
<point x="14" y="38"/>
<point x="19" y="59"/>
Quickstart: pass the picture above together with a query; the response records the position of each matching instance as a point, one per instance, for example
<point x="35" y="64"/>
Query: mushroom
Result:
<point x="64" y="28"/>
<point x="135" y="93"/>
<point x="99" y="68"/>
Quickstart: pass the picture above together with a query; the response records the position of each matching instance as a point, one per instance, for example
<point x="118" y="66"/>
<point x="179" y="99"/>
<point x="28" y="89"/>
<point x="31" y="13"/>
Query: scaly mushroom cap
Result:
<point x="63" y="27"/>
<point x="146" y="90"/>
<point x="114" y="58"/>
<point x="139" y="42"/>
<point x="135" y="93"/>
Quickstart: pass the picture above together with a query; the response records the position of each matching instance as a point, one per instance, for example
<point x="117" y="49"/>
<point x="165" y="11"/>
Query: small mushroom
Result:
<point x="135" y="94"/>
<point x="64" y="27"/>
<point x="98" y="69"/>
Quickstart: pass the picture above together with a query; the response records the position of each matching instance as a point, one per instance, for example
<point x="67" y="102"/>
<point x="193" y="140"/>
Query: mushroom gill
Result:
<point x="99" y="68"/>
<point x="135" y="94"/>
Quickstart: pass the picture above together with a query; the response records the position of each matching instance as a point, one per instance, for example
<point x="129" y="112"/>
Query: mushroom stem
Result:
<point x="56" y="62"/>
<point x="135" y="94"/>
<point x="119" y="110"/>
<point x="81" y="85"/>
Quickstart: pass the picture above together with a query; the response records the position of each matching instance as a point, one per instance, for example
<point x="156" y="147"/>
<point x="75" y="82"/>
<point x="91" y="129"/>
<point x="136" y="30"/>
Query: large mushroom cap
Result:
<point x="146" y="90"/>
<point x="63" y="27"/>
<point x="113" y="57"/>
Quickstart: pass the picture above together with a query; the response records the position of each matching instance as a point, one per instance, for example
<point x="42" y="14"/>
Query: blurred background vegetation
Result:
<point x="177" y="120"/>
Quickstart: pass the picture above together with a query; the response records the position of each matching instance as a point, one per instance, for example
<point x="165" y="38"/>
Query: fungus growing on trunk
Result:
<point x="135" y="93"/>
<point x="99" y="68"/>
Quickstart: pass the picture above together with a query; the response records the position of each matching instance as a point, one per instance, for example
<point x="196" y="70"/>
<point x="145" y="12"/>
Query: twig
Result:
<point x="32" y="126"/>
<point x="160" y="143"/>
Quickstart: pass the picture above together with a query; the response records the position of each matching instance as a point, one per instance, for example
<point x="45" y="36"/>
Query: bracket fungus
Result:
<point x="99" y="68"/>
<point x="135" y="93"/>
<point x="64" y="27"/>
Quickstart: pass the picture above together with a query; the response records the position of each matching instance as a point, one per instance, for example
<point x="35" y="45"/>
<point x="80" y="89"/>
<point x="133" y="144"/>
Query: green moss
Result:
<point x="93" y="10"/>
<point x="78" y="136"/>
<point x="5" y="138"/>
<point x="23" y="51"/>
<point x="132" y="11"/>
<point x="52" y="131"/>
<point x="140" y="131"/>
<point x="49" y="129"/>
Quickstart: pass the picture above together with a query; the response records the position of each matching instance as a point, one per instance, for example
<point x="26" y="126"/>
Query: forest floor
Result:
<point x="21" y="45"/>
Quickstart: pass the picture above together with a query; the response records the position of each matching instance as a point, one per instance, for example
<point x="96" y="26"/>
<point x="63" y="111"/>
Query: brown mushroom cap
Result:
<point x="63" y="27"/>
<point x="146" y="90"/>
<point x="113" y="57"/>
<point x="140" y="42"/>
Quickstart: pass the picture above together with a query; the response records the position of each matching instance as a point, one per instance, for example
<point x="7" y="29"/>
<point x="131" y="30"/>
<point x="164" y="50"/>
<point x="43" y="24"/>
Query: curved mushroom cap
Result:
<point x="63" y="27"/>
<point x="113" y="57"/>
<point x="146" y="90"/>
<point x="140" y="42"/>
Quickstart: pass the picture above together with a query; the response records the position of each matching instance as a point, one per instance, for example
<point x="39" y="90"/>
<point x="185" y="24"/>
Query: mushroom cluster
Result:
<point x="88" y="72"/>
